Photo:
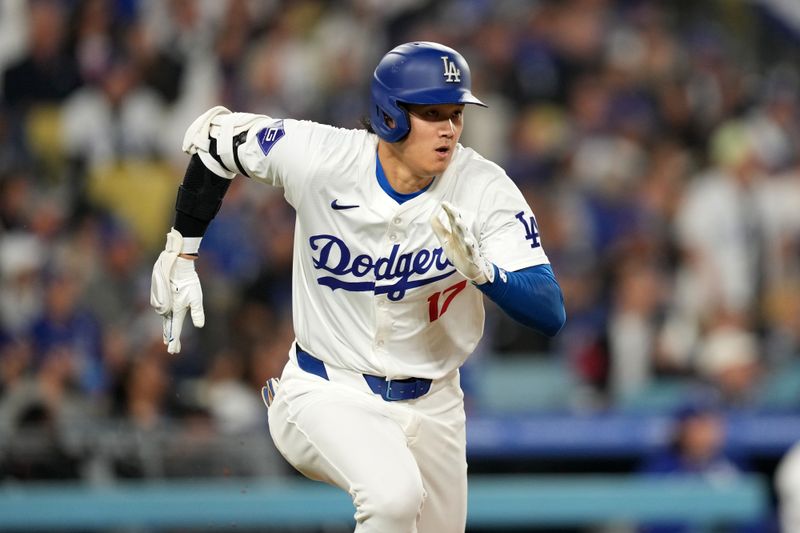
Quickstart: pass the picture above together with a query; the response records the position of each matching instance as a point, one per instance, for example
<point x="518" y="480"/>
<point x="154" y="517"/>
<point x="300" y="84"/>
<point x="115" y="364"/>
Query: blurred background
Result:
<point x="656" y="142"/>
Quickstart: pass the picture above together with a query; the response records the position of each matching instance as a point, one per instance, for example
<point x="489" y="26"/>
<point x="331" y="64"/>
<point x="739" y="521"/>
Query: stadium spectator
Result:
<point x="697" y="450"/>
<point x="47" y="73"/>
<point x="729" y="358"/>
<point x="67" y="339"/>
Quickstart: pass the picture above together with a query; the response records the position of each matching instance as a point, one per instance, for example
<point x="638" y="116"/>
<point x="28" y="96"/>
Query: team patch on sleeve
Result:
<point x="269" y="136"/>
<point x="531" y="229"/>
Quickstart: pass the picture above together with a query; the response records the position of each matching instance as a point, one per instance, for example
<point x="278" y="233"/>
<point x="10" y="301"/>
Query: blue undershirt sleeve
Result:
<point x="530" y="296"/>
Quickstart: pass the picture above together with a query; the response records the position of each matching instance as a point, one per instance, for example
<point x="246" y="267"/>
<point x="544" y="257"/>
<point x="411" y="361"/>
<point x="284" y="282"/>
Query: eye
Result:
<point x="457" y="114"/>
<point x="432" y="113"/>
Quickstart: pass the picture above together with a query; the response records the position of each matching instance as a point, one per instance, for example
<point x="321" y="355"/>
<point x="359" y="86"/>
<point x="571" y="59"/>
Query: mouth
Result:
<point x="443" y="150"/>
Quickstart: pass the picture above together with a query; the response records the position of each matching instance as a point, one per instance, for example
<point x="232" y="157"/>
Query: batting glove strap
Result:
<point x="460" y="245"/>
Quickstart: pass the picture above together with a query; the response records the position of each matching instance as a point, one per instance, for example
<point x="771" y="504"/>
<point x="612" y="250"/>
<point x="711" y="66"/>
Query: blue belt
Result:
<point x="391" y="390"/>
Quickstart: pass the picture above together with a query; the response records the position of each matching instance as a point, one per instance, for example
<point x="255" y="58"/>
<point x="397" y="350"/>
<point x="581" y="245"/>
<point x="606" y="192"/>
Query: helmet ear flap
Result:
<point x="383" y="109"/>
<point x="402" y="124"/>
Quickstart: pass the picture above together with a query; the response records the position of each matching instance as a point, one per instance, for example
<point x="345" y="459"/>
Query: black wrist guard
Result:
<point x="199" y="198"/>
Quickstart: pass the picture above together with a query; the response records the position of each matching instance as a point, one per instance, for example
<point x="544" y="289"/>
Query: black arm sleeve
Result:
<point x="199" y="199"/>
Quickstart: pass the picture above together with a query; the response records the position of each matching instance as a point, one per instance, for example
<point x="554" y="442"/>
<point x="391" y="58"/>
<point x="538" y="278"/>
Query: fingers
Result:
<point x="458" y="228"/>
<point x="175" y="327"/>
<point x="449" y="208"/>
<point x="458" y="235"/>
<point x="439" y="230"/>
<point x="196" y="305"/>
<point x="444" y="220"/>
<point x="160" y="291"/>
<point x="166" y="327"/>
<point x="456" y="221"/>
<point x="453" y="215"/>
<point x="160" y="295"/>
<point x="172" y="325"/>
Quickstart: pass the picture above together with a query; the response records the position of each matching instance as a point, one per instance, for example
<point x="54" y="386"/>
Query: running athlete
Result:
<point x="400" y="232"/>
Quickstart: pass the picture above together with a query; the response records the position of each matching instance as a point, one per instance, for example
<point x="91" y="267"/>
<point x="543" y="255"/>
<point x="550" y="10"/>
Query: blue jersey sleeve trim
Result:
<point x="530" y="296"/>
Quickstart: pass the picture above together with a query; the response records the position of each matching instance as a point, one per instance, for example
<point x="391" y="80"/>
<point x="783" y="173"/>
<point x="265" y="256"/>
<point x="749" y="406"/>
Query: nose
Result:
<point x="448" y="129"/>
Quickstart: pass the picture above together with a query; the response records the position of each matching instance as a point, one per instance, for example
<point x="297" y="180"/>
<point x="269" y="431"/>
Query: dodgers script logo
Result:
<point x="334" y="256"/>
<point x="452" y="74"/>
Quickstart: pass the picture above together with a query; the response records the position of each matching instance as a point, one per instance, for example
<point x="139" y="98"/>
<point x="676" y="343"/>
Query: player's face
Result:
<point x="429" y="146"/>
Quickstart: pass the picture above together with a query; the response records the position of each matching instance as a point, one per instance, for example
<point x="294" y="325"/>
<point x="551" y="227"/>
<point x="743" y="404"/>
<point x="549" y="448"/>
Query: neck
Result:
<point x="398" y="174"/>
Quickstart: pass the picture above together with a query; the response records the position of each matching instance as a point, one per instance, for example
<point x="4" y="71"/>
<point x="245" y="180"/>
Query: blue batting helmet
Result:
<point x="416" y="73"/>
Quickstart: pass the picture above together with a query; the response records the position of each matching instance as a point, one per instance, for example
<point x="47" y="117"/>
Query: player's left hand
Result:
<point x="460" y="245"/>
<point x="175" y="289"/>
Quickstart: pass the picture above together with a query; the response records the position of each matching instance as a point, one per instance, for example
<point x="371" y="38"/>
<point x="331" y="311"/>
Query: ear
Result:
<point x="389" y="121"/>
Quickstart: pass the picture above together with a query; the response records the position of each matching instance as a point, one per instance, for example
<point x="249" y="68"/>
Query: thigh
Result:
<point x="342" y="437"/>
<point x="440" y="452"/>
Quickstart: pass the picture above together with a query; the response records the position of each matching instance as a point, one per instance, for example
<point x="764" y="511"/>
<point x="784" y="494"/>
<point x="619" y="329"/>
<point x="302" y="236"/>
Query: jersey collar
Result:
<point x="387" y="188"/>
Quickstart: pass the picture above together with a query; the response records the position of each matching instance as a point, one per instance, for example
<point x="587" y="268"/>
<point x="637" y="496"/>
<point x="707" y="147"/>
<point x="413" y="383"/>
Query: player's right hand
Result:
<point x="175" y="289"/>
<point x="460" y="245"/>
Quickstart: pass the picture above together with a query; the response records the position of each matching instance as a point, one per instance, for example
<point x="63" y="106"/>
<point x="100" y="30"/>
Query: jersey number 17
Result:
<point x="434" y="311"/>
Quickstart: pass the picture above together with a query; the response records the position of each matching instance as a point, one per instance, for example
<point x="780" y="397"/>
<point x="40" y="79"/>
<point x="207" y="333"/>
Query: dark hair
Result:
<point x="366" y="124"/>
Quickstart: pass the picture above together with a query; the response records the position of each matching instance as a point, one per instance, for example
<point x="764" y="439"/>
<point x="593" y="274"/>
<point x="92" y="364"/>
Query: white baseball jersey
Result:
<point x="372" y="290"/>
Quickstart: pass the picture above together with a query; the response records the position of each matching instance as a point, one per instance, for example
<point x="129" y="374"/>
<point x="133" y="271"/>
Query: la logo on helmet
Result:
<point x="452" y="74"/>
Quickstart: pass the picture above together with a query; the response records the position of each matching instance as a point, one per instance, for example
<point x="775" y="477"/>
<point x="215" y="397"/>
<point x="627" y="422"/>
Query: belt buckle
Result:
<point x="387" y="395"/>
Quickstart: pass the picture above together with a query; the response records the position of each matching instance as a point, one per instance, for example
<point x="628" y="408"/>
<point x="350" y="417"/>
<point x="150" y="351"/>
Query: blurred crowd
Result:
<point x="656" y="142"/>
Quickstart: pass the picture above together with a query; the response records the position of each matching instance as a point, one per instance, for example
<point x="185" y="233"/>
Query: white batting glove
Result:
<point x="460" y="245"/>
<point x="174" y="289"/>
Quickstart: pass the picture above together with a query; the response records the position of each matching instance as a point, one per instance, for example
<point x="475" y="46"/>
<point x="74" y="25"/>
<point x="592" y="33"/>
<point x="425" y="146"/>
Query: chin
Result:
<point x="438" y="168"/>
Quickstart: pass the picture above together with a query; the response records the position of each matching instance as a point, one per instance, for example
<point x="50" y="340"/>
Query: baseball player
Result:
<point x="400" y="231"/>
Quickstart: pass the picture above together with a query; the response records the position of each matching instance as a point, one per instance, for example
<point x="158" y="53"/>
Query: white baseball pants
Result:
<point x="403" y="463"/>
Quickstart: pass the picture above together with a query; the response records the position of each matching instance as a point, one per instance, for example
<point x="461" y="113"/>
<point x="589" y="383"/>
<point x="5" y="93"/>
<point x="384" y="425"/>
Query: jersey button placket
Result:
<point x="396" y="229"/>
<point x="384" y="324"/>
<point x="381" y="322"/>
